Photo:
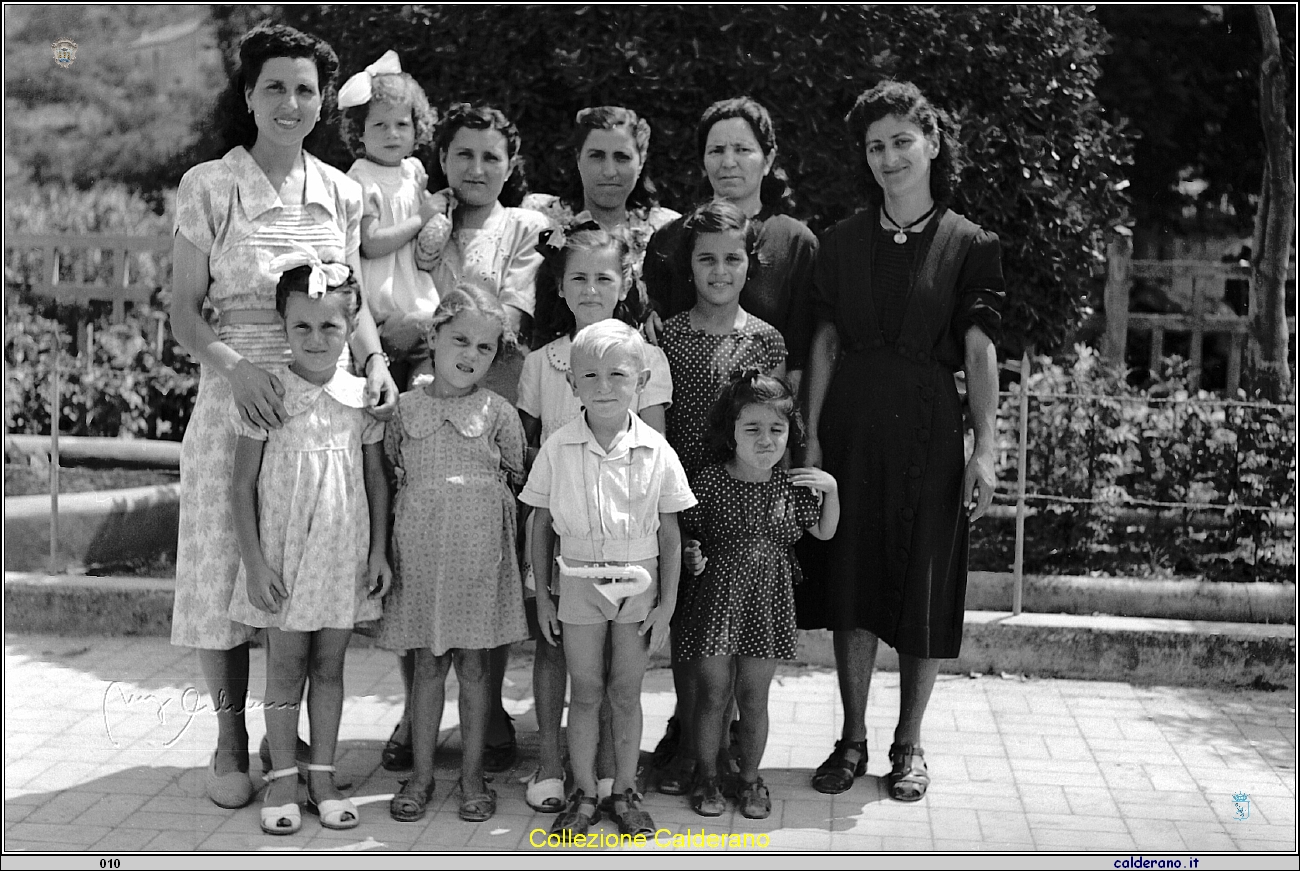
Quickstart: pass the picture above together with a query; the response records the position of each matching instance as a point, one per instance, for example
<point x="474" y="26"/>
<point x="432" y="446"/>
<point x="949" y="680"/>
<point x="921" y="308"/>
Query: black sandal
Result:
<point x="631" y="820"/>
<point x="837" y="773"/>
<point x="397" y="756"/>
<point x="499" y="757"/>
<point x="909" y="777"/>
<point x="583" y="813"/>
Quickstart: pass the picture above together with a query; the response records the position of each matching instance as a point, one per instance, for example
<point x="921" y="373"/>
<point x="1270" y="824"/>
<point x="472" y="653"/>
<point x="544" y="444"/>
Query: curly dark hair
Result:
<point x="905" y="100"/>
<point x="644" y="195"/>
<point x="775" y="190"/>
<point x="553" y="317"/>
<point x="394" y="89"/>
<point x="480" y="118"/>
<point x="295" y="281"/>
<point x="751" y="387"/>
<point x="264" y="42"/>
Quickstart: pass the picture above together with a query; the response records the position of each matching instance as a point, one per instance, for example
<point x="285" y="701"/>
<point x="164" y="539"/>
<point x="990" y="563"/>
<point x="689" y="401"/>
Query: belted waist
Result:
<point x="251" y="317"/>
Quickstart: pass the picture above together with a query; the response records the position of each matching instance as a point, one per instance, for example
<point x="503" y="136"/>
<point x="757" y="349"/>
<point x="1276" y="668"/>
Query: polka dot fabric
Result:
<point x="742" y="604"/>
<point x="701" y="363"/>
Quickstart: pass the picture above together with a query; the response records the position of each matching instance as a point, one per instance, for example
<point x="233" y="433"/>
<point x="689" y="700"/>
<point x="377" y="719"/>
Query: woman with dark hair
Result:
<point x="611" y="145"/>
<point x="906" y="293"/>
<point x="736" y="141"/>
<point x="266" y="197"/>
<point x="493" y="242"/>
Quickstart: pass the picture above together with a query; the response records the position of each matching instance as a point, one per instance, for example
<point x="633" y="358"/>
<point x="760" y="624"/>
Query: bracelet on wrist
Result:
<point x="365" y="367"/>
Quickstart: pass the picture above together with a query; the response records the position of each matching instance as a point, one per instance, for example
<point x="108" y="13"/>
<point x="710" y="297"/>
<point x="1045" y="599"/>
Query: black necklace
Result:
<point x="899" y="235"/>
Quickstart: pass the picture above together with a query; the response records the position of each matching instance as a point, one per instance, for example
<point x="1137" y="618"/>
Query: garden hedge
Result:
<point x="1044" y="162"/>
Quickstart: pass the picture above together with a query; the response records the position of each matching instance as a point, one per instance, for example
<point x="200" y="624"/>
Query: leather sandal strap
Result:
<point x="311" y="766"/>
<point x="278" y="773"/>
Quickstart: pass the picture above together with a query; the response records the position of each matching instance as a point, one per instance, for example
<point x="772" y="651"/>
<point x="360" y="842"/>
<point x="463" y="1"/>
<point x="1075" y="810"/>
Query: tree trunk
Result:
<point x="1274" y="224"/>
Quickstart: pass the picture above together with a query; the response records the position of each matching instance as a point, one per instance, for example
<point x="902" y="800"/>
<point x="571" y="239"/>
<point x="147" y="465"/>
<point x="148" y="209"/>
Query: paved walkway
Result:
<point x="106" y="744"/>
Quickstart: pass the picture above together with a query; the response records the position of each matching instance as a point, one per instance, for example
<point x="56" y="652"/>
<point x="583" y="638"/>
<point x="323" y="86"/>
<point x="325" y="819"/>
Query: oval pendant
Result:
<point x="900" y="237"/>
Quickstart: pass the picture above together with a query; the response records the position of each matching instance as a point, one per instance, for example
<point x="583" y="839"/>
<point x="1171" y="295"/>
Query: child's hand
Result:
<point x="266" y="589"/>
<point x="814" y="479"/>
<point x="379" y="575"/>
<point x="693" y="556"/>
<point x="652" y="327"/>
<point x="656" y="623"/>
<point x="548" y="620"/>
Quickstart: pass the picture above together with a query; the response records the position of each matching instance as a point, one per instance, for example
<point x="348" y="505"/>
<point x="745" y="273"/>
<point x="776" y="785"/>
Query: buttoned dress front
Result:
<point x="891" y="431"/>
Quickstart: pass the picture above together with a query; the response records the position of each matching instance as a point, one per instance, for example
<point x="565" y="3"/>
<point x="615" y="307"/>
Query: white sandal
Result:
<point x="334" y="813"/>
<point x="284" y="819"/>
<point x="545" y="796"/>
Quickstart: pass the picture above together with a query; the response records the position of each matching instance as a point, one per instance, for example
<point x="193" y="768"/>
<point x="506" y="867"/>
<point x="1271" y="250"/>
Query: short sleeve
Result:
<point x="419" y="173"/>
<point x="692" y="518"/>
<point x="529" y="398"/>
<point x="537" y="491"/>
<point x="674" y="490"/>
<point x="195" y="216"/>
<point x="351" y="218"/>
<point x="248" y="431"/>
<point x="371" y="199"/>
<point x="372" y="429"/>
<point x="799" y="314"/>
<point x="509" y="436"/>
<point x="659" y="389"/>
<point x="982" y="290"/>
<point x="520" y="273"/>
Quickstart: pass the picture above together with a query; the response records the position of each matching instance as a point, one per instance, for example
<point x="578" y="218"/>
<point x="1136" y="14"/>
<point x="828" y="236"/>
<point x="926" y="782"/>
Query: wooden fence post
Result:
<point x="1018" y="568"/>
<point x="55" y="403"/>
<point x="1119" y="253"/>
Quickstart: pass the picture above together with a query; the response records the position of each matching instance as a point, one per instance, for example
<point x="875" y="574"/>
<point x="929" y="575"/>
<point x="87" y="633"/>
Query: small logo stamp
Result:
<point x="65" y="51"/>
<point x="1240" y="806"/>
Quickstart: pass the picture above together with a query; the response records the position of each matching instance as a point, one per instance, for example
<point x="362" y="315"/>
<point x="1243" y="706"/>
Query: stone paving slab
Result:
<point x="107" y="741"/>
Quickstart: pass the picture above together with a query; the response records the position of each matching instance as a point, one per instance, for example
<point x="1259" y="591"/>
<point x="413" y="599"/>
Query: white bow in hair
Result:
<point x="356" y="90"/>
<point x="323" y="275"/>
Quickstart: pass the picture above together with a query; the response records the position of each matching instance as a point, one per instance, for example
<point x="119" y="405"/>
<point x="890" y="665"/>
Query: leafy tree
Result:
<point x="1186" y="78"/>
<point x="1043" y="158"/>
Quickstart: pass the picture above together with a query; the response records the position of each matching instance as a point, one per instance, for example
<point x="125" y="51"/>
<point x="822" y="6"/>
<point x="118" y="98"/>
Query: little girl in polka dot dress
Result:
<point x="739" y="541"/>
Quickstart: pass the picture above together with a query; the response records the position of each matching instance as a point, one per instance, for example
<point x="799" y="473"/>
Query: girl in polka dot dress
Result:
<point x="739" y="542"/>
<point x="705" y="346"/>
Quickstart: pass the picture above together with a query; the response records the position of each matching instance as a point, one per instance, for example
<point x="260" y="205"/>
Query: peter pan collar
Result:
<point x="255" y="192"/>
<point x="345" y="388"/>
<point x="557" y="353"/>
<point x="421" y="414"/>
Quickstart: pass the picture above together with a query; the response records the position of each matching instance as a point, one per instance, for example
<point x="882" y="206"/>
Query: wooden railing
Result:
<point x="1195" y="286"/>
<point x="81" y="269"/>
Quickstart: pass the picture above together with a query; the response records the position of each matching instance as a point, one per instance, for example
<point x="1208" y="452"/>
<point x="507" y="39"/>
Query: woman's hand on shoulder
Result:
<point x="381" y="390"/>
<point x="652" y="326"/>
<point x="257" y="395"/>
<point x="814" y="479"/>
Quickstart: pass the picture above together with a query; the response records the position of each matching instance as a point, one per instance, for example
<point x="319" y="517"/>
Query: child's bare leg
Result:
<point x="753" y="682"/>
<point x="712" y="702"/>
<point x="325" y="706"/>
<point x="226" y="674"/>
<point x="549" y="682"/>
<point x="605" y="757"/>
<point x="406" y="659"/>
<point x="631" y="654"/>
<point x="287" y="657"/>
<point x="473" y="671"/>
<point x="584" y="653"/>
<point x="428" y="694"/>
<point x="497" y="731"/>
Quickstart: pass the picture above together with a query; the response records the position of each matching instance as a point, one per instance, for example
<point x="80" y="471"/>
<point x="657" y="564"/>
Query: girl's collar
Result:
<point x="557" y="353"/>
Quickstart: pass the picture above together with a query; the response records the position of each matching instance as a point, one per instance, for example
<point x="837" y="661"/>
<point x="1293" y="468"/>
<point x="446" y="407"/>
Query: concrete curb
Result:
<point x="110" y="526"/>
<point x="1131" y="649"/>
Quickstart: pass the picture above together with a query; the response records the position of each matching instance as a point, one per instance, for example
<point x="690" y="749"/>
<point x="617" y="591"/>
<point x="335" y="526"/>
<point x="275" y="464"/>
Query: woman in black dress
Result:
<point x="906" y="292"/>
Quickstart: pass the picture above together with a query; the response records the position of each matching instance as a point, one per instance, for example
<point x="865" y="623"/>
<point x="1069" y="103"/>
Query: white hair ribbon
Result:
<point x="323" y="275"/>
<point x="356" y="90"/>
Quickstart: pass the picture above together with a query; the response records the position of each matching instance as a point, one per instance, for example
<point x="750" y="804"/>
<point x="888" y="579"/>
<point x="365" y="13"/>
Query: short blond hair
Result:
<point x="600" y="338"/>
